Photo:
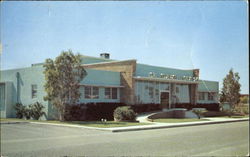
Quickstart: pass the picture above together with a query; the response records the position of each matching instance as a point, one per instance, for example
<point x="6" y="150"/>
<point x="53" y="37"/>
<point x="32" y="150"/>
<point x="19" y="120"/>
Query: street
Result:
<point x="46" y="140"/>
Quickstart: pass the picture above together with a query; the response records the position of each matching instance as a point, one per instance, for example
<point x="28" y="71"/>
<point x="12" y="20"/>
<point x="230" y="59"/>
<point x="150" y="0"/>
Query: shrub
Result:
<point x="241" y="109"/>
<point x="20" y="110"/>
<point x="124" y="113"/>
<point x="27" y="112"/>
<point x="140" y="108"/>
<point x="98" y="111"/>
<point x="36" y="110"/>
<point x="75" y="112"/>
<point x="33" y="110"/>
<point x="209" y="107"/>
<point x="244" y="99"/>
<point x="199" y="111"/>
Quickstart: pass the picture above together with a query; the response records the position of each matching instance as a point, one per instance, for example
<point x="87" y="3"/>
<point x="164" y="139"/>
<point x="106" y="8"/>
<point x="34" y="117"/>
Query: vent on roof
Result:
<point x="104" y="55"/>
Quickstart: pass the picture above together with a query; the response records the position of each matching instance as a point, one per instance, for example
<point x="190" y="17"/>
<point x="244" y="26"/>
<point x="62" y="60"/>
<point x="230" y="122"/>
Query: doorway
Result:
<point x="164" y="99"/>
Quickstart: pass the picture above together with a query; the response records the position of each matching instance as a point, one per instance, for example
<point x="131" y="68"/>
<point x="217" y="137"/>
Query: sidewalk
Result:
<point x="171" y="125"/>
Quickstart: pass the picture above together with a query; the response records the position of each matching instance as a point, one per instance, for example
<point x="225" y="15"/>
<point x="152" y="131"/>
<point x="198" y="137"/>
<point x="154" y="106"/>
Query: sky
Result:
<point x="209" y="35"/>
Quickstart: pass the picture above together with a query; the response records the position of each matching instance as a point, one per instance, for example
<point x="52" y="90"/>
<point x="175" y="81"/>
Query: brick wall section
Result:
<point x="127" y="70"/>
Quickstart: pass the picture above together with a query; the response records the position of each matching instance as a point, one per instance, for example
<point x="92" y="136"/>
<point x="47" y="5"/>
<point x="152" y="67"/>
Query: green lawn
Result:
<point x="246" y="116"/>
<point x="99" y="124"/>
<point x="178" y="120"/>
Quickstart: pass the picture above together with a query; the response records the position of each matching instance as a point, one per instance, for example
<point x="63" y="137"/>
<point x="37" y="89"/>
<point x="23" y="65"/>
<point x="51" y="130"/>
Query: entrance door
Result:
<point x="165" y="99"/>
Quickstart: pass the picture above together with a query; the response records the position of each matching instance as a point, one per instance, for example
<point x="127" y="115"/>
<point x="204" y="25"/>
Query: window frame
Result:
<point x="107" y="93"/>
<point x="115" y="97"/>
<point x="202" y="97"/>
<point x="89" y="94"/>
<point x="111" y="93"/>
<point x="34" y="91"/>
<point x="177" y="89"/>
<point x="210" y="96"/>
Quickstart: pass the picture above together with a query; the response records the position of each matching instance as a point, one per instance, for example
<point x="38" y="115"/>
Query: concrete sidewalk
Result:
<point x="171" y="125"/>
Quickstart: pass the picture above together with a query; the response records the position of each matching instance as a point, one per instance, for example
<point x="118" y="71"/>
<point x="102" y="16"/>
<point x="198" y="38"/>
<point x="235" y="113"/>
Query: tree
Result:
<point x="62" y="80"/>
<point x="231" y="89"/>
<point x="244" y="100"/>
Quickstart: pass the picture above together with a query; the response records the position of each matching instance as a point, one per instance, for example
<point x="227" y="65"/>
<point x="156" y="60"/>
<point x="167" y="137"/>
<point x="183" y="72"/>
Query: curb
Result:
<point x="175" y="125"/>
<point x="70" y="125"/>
<point x="13" y="122"/>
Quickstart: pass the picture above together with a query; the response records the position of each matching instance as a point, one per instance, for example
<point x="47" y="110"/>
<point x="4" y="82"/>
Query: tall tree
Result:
<point x="62" y="80"/>
<point x="231" y="89"/>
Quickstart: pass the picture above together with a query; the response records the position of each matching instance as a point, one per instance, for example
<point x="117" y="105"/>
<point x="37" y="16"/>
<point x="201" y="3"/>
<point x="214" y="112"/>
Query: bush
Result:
<point x="209" y="107"/>
<point x="140" y="108"/>
<point x="20" y="110"/>
<point x="124" y="113"/>
<point x="98" y="111"/>
<point x="241" y="109"/>
<point x="244" y="99"/>
<point x="33" y="110"/>
<point x="75" y="112"/>
<point x="214" y="114"/>
<point x="36" y="110"/>
<point x="199" y="111"/>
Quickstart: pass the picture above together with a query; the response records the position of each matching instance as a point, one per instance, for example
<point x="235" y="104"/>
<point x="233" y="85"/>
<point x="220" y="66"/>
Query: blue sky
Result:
<point x="209" y="35"/>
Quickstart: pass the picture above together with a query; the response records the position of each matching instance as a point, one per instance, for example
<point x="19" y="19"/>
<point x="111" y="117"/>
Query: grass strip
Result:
<point x="99" y="124"/>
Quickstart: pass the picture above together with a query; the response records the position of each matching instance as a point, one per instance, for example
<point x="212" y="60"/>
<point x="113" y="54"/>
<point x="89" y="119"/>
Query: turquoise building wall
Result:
<point x="208" y="87"/>
<point x="19" y="90"/>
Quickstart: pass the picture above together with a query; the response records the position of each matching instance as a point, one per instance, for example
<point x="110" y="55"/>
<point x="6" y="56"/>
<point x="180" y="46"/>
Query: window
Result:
<point x="87" y="92"/>
<point x="151" y="92"/>
<point x="201" y="96"/>
<point x="91" y="92"/>
<point x="110" y="93"/>
<point x="107" y="93"/>
<point x="95" y="93"/>
<point x="210" y="96"/>
<point x="177" y="89"/>
<point x="114" y="93"/>
<point x="34" y="91"/>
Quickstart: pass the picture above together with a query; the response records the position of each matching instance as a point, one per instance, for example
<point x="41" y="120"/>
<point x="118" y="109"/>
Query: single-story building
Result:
<point x="111" y="81"/>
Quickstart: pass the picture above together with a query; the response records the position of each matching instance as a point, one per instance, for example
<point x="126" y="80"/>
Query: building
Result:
<point x="111" y="81"/>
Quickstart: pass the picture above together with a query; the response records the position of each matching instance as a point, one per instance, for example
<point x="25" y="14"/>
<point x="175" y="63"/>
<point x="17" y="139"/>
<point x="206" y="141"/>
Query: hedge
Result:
<point x="209" y="107"/>
<point x="98" y="111"/>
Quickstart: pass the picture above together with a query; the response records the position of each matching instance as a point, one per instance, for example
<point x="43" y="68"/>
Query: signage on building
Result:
<point x="173" y="77"/>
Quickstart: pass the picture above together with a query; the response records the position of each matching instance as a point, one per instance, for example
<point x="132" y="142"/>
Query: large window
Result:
<point x="210" y="96"/>
<point x="114" y="93"/>
<point x="33" y="91"/>
<point x="177" y="90"/>
<point x="91" y="92"/>
<point x="95" y="93"/>
<point x="107" y="93"/>
<point x="201" y="96"/>
<point x="110" y="93"/>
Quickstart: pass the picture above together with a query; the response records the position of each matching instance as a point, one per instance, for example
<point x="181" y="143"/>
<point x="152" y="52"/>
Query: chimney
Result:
<point x="104" y="55"/>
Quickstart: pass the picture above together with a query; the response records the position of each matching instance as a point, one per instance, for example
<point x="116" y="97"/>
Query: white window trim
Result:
<point x="111" y="93"/>
<point x="91" y="92"/>
<point x="32" y="89"/>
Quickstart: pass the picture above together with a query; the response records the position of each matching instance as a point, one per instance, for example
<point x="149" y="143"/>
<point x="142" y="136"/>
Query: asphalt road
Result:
<point x="46" y="140"/>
